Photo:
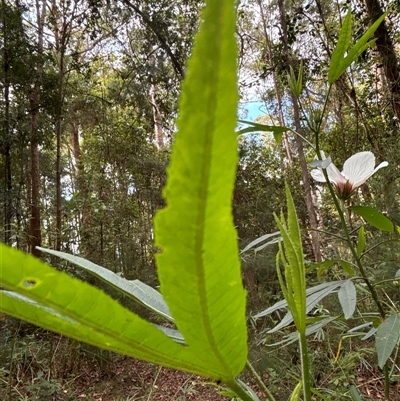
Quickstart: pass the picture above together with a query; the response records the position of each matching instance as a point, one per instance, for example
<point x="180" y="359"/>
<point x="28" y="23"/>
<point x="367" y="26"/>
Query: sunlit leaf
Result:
<point x="374" y="217"/>
<point x="199" y="266"/>
<point x="54" y="300"/>
<point x="295" y="396"/>
<point x="335" y="67"/>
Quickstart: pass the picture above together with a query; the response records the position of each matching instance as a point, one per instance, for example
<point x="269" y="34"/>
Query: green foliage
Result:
<point x="198" y="212"/>
<point x="293" y="282"/>
<point x="387" y="338"/>
<point x="255" y="127"/>
<point x="340" y="61"/>
<point x="373" y="217"/>
<point x="203" y="169"/>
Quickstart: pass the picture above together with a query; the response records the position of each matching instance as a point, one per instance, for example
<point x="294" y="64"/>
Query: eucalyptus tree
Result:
<point x="16" y="62"/>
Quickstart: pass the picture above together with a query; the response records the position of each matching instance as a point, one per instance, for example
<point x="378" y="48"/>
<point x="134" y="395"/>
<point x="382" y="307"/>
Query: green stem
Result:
<point x="305" y="367"/>
<point x="387" y="382"/>
<point x="352" y="248"/>
<point x="317" y="131"/>
<point x="259" y="381"/>
<point x="239" y="390"/>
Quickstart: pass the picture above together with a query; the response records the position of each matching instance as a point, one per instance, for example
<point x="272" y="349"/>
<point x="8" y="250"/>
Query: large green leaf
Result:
<point x="374" y="217"/>
<point x="140" y="292"/>
<point x="386" y="338"/>
<point x="199" y="267"/>
<point x="71" y="307"/>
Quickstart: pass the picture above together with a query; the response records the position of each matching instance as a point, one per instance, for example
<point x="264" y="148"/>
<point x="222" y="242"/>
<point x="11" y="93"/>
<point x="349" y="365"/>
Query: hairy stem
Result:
<point x="259" y="381"/>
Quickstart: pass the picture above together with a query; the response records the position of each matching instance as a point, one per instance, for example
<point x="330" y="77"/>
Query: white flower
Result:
<point x="356" y="170"/>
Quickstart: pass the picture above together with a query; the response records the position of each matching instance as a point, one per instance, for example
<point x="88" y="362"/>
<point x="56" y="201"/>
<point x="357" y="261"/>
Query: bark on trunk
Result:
<point x="276" y="85"/>
<point x="8" y="212"/>
<point x="299" y="142"/>
<point x="34" y="100"/>
<point x="158" y="129"/>
<point x="385" y="47"/>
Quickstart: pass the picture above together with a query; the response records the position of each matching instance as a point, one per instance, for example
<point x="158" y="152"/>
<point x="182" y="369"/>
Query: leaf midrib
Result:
<point x="202" y="205"/>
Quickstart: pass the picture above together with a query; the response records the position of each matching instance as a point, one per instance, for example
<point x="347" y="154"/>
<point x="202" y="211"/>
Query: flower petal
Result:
<point x="359" y="167"/>
<point x="335" y="175"/>
<point x="318" y="175"/>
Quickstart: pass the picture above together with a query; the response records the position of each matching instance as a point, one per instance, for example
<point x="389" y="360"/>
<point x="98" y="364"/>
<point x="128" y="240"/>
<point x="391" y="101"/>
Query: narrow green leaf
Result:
<point x="291" y="252"/>
<point x="295" y="396"/>
<point x="314" y="295"/>
<point x="361" y="241"/>
<point x="347" y="267"/>
<point x="387" y="337"/>
<point x="335" y="66"/>
<point x="348" y="298"/>
<point x="363" y="43"/>
<point x="295" y="83"/>
<point x="354" y="394"/>
<point x="339" y="63"/>
<point x="199" y="267"/>
<point x="326" y="264"/>
<point x="134" y="289"/>
<point x="255" y="127"/>
<point x="71" y="307"/>
<point x="262" y="239"/>
<point x="374" y="217"/>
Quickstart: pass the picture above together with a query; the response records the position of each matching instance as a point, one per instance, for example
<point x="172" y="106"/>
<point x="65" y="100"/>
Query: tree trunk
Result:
<point x="8" y="213"/>
<point x="299" y="142"/>
<point x="276" y="85"/>
<point x="158" y="129"/>
<point x="34" y="99"/>
<point x="384" y="44"/>
<point x="61" y="34"/>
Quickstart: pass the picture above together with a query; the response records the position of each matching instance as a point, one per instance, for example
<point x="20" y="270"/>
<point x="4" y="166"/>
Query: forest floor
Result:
<point x="49" y="367"/>
<point x="131" y="380"/>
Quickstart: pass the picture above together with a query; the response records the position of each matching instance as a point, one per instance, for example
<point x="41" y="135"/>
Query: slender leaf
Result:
<point x="374" y="217"/>
<point x="38" y="313"/>
<point x="261" y="239"/>
<point x="339" y="63"/>
<point x="314" y="294"/>
<point x="199" y="268"/>
<point x="361" y="326"/>
<point x="348" y="298"/>
<point x="255" y="127"/>
<point x="135" y="289"/>
<point x="354" y="393"/>
<point x="370" y="333"/>
<point x="71" y="307"/>
<point x="295" y="396"/>
<point x="347" y="267"/>
<point x="387" y="337"/>
<point x="364" y="42"/>
<point x="335" y="66"/>
<point x="311" y="329"/>
<point x="361" y="241"/>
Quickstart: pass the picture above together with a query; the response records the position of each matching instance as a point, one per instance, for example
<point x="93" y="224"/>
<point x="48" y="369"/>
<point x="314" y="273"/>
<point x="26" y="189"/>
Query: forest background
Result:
<point x="88" y="104"/>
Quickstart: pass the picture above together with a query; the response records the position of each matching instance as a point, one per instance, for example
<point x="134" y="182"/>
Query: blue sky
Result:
<point x="254" y="109"/>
